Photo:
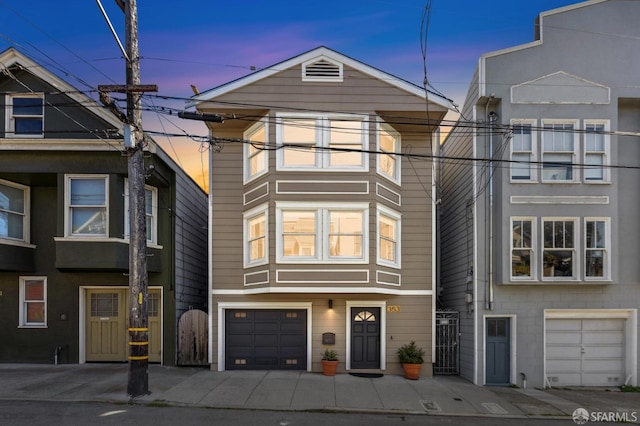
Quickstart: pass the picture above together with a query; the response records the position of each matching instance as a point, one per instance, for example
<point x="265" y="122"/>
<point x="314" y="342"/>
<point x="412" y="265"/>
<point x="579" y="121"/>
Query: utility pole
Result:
<point x="138" y="383"/>
<point x="138" y="330"/>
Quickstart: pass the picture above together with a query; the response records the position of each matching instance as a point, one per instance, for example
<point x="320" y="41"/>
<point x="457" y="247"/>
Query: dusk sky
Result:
<point x="208" y="43"/>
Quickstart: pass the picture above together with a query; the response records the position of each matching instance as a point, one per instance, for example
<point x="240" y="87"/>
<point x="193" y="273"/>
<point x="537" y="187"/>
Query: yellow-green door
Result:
<point x="106" y="325"/>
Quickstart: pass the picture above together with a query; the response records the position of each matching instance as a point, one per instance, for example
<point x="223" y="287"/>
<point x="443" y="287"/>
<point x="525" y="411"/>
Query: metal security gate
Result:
<point x="447" y="332"/>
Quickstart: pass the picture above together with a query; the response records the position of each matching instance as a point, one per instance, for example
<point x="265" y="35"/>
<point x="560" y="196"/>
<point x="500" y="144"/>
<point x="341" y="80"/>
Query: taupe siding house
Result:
<point x="539" y="247"/>
<point x="321" y="233"/>
<point x="64" y="244"/>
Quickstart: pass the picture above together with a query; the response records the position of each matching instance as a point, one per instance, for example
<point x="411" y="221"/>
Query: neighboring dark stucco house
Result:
<point x="64" y="225"/>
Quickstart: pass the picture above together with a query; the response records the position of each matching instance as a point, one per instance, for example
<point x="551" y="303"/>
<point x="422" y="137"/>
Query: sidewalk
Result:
<point x="289" y="390"/>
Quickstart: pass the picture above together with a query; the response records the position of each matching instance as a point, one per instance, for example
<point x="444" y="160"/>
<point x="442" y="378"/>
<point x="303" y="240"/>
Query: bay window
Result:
<point x="389" y="231"/>
<point x="522" y="254"/>
<point x="256" y="245"/>
<point x="595" y="151"/>
<point x="522" y="152"/>
<point x="86" y="205"/>
<point x="596" y="256"/>
<point x="319" y="142"/>
<point x="14" y="212"/>
<point x="559" y="248"/>
<point x="324" y="233"/>
<point x="388" y="147"/>
<point x="256" y="158"/>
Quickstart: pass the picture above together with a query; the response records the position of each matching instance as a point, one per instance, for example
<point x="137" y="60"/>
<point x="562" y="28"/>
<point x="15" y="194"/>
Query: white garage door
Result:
<point x="585" y="352"/>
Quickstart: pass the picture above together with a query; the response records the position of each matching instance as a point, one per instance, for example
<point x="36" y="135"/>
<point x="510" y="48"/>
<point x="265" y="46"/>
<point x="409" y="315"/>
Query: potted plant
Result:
<point x="411" y="358"/>
<point x="329" y="362"/>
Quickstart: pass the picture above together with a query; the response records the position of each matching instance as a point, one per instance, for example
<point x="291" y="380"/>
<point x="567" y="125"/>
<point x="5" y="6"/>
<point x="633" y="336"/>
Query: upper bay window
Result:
<point x="255" y="155"/>
<point x="388" y="147"/>
<point x="14" y="212"/>
<point x="322" y="233"/>
<point x="596" y="145"/>
<point x="86" y="205"/>
<point x="322" y="142"/>
<point x="25" y="115"/>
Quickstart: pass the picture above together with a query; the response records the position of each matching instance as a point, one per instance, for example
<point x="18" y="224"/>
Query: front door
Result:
<point x="106" y="325"/>
<point x="498" y="351"/>
<point x="365" y="338"/>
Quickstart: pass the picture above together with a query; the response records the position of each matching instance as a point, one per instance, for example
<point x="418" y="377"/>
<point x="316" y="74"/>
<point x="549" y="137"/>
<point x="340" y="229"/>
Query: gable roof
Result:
<point x="318" y="53"/>
<point x="11" y="57"/>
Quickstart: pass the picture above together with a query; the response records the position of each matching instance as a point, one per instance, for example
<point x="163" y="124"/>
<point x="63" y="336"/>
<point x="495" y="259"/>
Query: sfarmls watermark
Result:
<point x="582" y="416"/>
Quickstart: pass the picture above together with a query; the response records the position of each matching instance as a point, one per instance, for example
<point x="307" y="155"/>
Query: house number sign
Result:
<point x="393" y="308"/>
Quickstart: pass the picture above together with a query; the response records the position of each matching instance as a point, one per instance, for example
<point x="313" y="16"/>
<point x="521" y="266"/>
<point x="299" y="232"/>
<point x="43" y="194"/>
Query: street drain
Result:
<point x="430" y="405"/>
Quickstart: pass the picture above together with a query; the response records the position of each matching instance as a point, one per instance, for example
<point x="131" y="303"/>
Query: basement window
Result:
<point x="322" y="69"/>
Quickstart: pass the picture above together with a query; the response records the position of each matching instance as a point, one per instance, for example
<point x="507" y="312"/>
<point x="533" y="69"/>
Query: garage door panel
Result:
<point x="565" y="379"/>
<point x="266" y="339"/>
<point x="563" y="352"/>
<point x="565" y="324"/>
<point x="563" y="365"/>
<point x="604" y="324"/>
<point x="604" y="379"/>
<point x="604" y="352"/>
<point x="602" y="365"/>
<point x="611" y="337"/>
<point x="563" y="338"/>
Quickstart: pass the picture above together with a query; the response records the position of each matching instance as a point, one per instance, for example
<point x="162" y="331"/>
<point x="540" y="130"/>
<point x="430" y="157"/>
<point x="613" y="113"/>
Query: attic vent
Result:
<point x="321" y="70"/>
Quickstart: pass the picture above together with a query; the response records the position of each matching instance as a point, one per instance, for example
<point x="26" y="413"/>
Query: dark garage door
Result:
<point x="265" y="339"/>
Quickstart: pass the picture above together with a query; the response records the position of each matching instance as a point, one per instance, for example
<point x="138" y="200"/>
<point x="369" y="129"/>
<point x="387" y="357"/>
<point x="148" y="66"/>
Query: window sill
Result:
<point x="101" y="239"/>
<point x="322" y="262"/>
<point x="16" y="243"/>
<point x="557" y="283"/>
<point x="33" y="326"/>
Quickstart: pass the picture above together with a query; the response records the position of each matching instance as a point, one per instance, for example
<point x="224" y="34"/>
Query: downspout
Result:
<point x="210" y="258"/>
<point x="435" y="238"/>
<point x="490" y="118"/>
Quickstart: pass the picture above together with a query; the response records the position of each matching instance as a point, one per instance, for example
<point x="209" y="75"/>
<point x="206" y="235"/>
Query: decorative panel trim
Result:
<point x="255" y="278"/>
<point x="322" y="187"/>
<point x="388" y="194"/>
<point x="301" y="276"/>
<point x="388" y="278"/>
<point x="256" y="193"/>
<point x="567" y="199"/>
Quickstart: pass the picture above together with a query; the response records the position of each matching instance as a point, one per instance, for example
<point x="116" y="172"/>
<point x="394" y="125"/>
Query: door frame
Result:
<point x="82" y="311"/>
<point x="512" y="346"/>
<point x="223" y="306"/>
<point x="382" y="304"/>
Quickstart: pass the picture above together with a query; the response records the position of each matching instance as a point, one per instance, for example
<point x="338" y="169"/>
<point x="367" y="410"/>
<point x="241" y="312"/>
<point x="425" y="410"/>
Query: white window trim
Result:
<point x="397" y="178"/>
<point x="606" y="171"/>
<point x="322" y="250"/>
<point x="534" y="151"/>
<point x="385" y="211"/>
<point x="10" y="120"/>
<point x="607" y="249"/>
<point x="246" y="137"/>
<point x="534" y="251"/>
<point x="322" y="131"/>
<point x="26" y="217"/>
<point x="154" y="213"/>
<point x="22" y="323"/>
<point x="247" y="216"/>
<point x="577" y="251"/>
<point x="575" y="171"/>
<point x="67" y="205"/>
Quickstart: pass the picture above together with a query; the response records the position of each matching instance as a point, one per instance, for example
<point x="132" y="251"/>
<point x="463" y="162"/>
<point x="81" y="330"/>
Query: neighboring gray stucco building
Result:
<point x="539" y="245"/>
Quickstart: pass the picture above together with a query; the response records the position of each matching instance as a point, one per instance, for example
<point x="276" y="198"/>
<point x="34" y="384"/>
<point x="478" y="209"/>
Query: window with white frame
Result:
<point x="255" y="155"/>
<point x="33" y="302"/>
<point x="558" y="151"/>
<point x="596" y="143"/>
<point x="319" y="142"/>
<point x="150" y="211"/>
<point x="522" y="151"/>
<point x="388" y="146"/>
<point x="326" y="233"/>
<point x="14" y="212"/>
<point x="596" y="256"/>
<point x="522" y="250"/>
<point x="559" y="248"/>
<point x="86" y="205"/>
<point x="25" y="115"/>
<point x="389" y="231"/>
<point x="256" y="244"/>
